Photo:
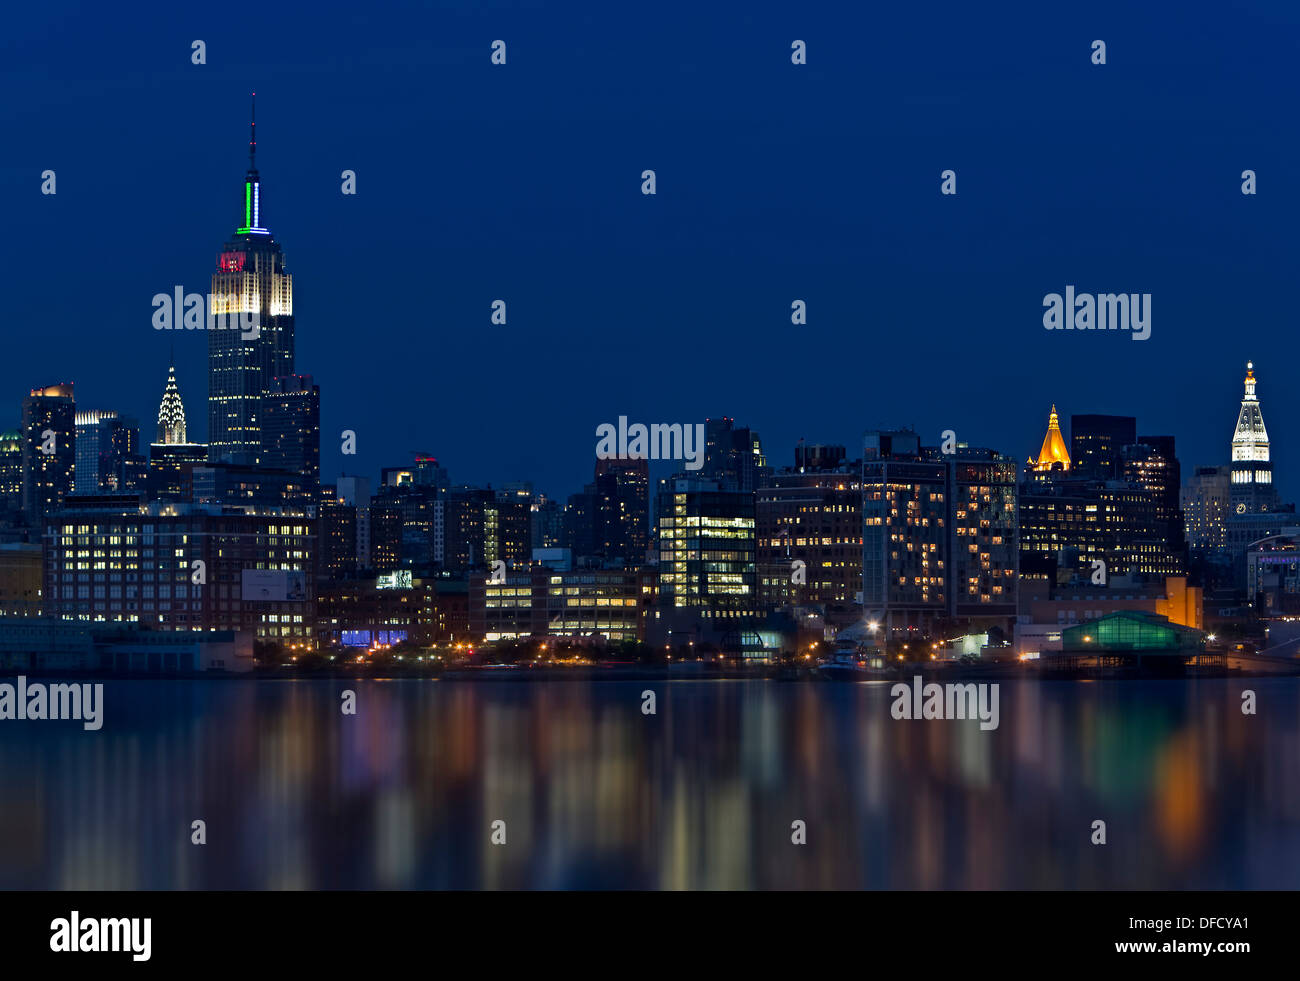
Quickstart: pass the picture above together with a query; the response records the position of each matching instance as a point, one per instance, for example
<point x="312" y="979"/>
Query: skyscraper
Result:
<point x="90" y="435"/>
<point x="815" y="518"/>
<point x="49" y="450"/>
<point x="733" y="457"/>
<point x="483" y="526"/>
<point x="706" y="549"/>
<point x="609" y="519"/>
<point x="11" y="471"/>
<point x="108" y="453"/>
<point x="1205" y="504"/>
<point x="171" y="412"/>
<point x="291" y="428"/>
<point x="172" y="459"/>
<point x="1096" y="441"/>
<point x="250" y="279"/>
<point x="1252" y="490"/>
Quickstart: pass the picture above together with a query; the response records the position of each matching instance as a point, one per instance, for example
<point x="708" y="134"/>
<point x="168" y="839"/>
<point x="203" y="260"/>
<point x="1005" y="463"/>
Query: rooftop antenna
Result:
<point x="252" y="135"/>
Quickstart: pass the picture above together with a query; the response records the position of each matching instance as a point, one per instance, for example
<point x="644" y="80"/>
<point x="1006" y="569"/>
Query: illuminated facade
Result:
<point x="49" y="450"/>
<point x="118" y="562"/>
<point x="11" y="470"/>
<point x="90" y="438"/>
<point x="940" y="531"/>
<point x="816" y="518"/>
<point x="583" y="603"/>
<point x="482" y="526"/>
<point x="1053" y="455"/>
<point x="171" y="412"/>
<point x="1206" y="501"/>
<point x="250" y="279"/>
<point x="338" y="531"/>
<point x="363" y="612"/>
<point x="904" y="532"/>
<point x="108" y="454"/>
<point x="983" y="495"/>
<point x="707" y="549"/>
<point x="610" y="518"/>
<point x="1071" y="526"/>
<point x="1251" y="474"/>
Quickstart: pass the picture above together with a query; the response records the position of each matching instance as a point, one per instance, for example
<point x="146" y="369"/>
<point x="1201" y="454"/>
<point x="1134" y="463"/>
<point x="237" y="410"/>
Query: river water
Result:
<point x="703" y="794"/>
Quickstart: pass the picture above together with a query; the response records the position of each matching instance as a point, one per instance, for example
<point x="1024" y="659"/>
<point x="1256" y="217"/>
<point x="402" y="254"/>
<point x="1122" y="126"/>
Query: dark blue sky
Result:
<point x="775" y="182"/>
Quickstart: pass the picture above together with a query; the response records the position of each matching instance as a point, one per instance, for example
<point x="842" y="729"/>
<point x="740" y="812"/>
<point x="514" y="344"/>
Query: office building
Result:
<point x="707" y="549"/>
<point x="291" y="429"/>
<point x="733" y="456"/>
<point x="1096" y="442"/>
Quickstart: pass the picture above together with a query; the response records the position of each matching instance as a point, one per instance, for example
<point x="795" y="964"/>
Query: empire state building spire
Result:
<point x="252" y="223"/>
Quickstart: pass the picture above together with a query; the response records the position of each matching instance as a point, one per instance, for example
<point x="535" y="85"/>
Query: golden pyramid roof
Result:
<point x="1053" y="450"/>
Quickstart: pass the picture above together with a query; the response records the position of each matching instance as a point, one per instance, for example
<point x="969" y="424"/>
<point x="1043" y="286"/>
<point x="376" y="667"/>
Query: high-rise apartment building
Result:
<point x="940" y="533"/>
<point x="813" y="518"/>
<point x="609" y="520"/>
<point x="49" y="450"/>
<point x="1206" y="503"/>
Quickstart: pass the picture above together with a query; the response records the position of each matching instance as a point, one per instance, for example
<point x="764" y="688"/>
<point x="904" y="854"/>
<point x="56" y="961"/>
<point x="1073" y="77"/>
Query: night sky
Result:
<point x="776" y="182"/>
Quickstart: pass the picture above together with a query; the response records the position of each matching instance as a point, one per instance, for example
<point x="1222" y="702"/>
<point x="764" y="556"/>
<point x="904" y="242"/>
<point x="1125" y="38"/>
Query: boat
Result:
<point x="850" y="664"/>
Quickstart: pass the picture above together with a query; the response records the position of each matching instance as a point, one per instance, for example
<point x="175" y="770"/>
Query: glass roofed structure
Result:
<point x="1131" y="632"/>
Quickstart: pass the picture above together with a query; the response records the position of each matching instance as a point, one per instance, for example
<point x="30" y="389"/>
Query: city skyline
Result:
<point x="704" y="272"/>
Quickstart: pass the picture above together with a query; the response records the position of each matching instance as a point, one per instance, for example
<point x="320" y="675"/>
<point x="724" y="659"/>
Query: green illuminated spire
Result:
<point x="252" y="185"/>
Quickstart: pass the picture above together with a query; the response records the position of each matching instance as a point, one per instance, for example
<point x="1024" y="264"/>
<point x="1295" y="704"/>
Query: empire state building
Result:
<point x="250" y="279"/>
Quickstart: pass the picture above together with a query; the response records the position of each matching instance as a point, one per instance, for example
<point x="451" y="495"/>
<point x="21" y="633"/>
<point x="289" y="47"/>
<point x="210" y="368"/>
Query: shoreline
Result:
<point x="1012" y="671"/>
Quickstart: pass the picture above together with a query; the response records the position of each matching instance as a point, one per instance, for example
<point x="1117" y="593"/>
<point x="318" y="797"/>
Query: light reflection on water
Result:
<point x="700" y="796"/>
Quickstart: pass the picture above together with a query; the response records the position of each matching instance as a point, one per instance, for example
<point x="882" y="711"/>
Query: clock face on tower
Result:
<point x="1241" y="508"/>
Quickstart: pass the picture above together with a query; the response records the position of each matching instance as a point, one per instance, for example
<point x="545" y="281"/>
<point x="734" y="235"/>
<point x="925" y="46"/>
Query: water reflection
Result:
<point x="700" y="796"/>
